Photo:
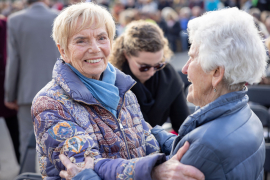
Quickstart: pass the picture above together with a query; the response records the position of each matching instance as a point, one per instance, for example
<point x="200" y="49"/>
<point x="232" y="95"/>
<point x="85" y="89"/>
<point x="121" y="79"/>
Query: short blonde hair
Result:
<point x="65" y="23"/>
<point x="139" y="36"/>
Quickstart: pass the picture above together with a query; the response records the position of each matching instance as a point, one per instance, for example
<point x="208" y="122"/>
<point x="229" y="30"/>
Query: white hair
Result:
<point x="228" y="38"/>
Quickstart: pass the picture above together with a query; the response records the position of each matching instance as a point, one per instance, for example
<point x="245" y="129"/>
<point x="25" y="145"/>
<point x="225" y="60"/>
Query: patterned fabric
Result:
<point x="68" y="120"/>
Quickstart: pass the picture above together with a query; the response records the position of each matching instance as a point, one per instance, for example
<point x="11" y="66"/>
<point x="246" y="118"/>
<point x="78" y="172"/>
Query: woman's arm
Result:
<point x="58" y="133"/>
<point x="171" y="169"/>
<point x="164" y="139"/>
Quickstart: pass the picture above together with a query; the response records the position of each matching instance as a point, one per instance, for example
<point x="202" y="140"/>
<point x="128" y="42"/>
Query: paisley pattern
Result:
<point x="68" y="120"/>
<point x="128" y="170"/>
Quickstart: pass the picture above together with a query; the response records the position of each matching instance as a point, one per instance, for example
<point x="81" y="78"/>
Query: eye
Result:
<point x="102" y="38"/>
<point x="80" y="41"/>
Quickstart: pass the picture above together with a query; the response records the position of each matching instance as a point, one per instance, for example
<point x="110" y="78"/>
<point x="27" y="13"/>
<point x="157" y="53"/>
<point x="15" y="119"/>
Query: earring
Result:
<point x="215" y="90"/>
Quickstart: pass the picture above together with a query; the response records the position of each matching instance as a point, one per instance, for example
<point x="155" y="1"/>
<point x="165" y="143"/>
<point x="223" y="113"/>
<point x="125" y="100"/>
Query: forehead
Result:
<point x="92" y="25"/>
<point x="193" y="51"/>
<point x="149" y="57"/>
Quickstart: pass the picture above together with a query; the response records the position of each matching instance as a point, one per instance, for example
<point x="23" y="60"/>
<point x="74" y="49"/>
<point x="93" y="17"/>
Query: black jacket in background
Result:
<point x="161" y="97"/>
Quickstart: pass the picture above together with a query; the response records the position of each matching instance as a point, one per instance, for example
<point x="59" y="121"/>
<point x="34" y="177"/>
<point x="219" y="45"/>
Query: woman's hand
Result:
<point x="173" y="169"/>
<point x="72" y="169"/>
<point x="12" y="105"/>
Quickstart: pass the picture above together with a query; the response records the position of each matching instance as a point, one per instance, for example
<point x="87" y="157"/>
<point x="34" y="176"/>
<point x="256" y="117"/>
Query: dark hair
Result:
<point x="32" y="1"/>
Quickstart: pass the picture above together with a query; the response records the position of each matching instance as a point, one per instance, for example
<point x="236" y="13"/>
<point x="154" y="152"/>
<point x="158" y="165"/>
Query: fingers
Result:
<point x="65" y="175"/>
<point x="65" y="161"/>
<point x="192" y="172"/>
<point x="89" y="163"/>
<point x="181" y="151"/>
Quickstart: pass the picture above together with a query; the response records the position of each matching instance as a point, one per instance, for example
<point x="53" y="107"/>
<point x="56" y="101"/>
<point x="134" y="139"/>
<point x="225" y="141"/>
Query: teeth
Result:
<point x="189" y="80"/>
<point x="93" y="61"/>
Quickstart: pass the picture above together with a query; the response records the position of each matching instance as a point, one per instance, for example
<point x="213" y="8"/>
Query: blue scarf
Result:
<point x="104" y="91"/>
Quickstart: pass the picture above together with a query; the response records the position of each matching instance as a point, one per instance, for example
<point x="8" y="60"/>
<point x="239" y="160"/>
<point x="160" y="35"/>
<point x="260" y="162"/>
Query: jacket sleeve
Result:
<point x="57" y="133"/>
<point x="136" y="169"/>
<point x="205" y="160"/>
<point x="164" y="139"/>
<point x="87" y="174"/>
<point x="13" y="62"/>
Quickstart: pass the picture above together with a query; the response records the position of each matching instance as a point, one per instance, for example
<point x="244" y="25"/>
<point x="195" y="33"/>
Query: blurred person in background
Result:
<point x="31" y="56"/>
<point x="256" y="13"/>
<point x="262" y="5"/>
<point x="164" y="3"/>
<point x="142" y="52"/>
<point x="267" y="24"/>
<point x="9" y="115"/>
<point x="148" y="6"/>
<point x="88" y="110"/>
<point x="196" y="11"/>
<point x="184" y="16"/>
<point x="264" y="15"/>
<point x="232" y="3"/>
<point x="125" y="17"/>
<point x="193" y="3"/>
<point x="172" y="27"/>
<point x="130" y="4"/>
<point x="226" y="137"/>
<point x="266" y="79"/>
<point x="211" y="5"/>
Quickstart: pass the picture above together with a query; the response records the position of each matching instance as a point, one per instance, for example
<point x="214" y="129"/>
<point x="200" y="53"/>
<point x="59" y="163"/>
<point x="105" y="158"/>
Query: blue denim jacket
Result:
<point x="226" y="139"/>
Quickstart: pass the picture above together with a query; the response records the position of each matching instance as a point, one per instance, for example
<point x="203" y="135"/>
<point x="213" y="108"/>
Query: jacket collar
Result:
<point x="73" y="86"/>
<point x="222" y="106"/>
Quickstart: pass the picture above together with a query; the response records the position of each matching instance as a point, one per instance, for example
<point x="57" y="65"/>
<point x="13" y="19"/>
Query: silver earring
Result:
<point x="215" y="90"/>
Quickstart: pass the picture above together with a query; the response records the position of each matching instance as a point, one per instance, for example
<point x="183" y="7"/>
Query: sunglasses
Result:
<point x="146" y="67"/>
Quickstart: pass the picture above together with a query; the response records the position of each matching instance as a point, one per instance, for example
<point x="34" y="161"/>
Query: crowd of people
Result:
<point x="171" y="15"/>
<point x="110" y="82"/>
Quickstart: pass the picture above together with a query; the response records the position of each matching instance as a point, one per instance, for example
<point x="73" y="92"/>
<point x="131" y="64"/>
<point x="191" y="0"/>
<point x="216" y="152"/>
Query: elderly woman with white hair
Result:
<point x="226" y="137"/>
<point x="87" y="109"/>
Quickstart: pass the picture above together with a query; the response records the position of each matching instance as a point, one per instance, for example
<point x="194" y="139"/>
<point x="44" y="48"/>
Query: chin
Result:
<point x="189" y="98"/>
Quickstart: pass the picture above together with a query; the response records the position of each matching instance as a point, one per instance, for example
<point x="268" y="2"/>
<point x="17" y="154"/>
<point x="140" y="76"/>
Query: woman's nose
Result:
<point x="185" y="68"/>
<point x="94" y="48"/>
<point x="151" y="71"/>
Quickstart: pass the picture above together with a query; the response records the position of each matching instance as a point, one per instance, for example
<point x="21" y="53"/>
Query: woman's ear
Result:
<point x="63" y="53"/>
<point x="126" y="56"/>
<point x="218" y="75"/>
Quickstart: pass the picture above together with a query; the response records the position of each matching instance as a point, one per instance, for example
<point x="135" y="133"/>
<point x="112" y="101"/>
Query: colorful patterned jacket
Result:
<point x="69" y="120"/>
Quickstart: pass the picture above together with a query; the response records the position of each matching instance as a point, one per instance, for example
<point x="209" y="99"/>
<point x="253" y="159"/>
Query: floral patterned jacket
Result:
<point x="69" y="120"/>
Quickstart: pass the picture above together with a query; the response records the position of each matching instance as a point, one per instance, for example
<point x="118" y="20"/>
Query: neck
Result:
<point x="212" y="95"/>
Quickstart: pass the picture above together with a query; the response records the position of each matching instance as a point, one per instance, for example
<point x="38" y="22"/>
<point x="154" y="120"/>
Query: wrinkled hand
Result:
<point x="72" y="169"/>
<point x="173" y="169"/>
<point x="12" y="105"/>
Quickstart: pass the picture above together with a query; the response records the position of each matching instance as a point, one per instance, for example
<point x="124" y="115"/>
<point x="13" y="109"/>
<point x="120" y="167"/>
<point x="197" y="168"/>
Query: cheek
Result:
<point x="106" y="48"/>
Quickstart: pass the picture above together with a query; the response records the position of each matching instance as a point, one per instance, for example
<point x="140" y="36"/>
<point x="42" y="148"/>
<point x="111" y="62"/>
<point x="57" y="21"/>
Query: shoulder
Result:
<point x="17" y="16"/>
<point x="232" y="142"/>
<point x="171" y="73"/>
<point x="50" y="91"/>
<point x="170" y="78"/>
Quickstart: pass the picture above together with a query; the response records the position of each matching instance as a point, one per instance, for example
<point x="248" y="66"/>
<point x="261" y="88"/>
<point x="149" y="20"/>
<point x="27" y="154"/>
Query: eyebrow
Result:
<point x="79" y="37"/>
<point x="84" y="37"/>
<point x="102" y="33"/>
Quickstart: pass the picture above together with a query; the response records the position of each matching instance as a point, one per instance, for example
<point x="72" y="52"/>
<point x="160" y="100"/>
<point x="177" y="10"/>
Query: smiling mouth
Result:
<point x="93" y="60"/>
<point x="189" y="80"/>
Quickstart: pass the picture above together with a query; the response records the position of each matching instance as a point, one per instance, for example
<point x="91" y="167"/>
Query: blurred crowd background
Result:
<point x="171" y="15"/>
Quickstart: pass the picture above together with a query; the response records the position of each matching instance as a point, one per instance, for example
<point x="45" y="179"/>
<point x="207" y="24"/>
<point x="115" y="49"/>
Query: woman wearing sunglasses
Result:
<point x="142" y="52"/>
